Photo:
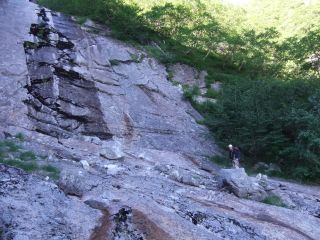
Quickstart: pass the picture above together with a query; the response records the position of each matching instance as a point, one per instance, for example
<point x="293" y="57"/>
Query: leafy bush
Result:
<point x="211" y="93"/>
<point x="190" y="91"/>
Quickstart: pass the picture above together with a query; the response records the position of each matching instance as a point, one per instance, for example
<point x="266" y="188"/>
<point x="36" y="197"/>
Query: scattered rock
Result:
<point x="85" y="164"/>
<point x="239" y="183"/>
<point x="113" y="169"/>
<point x="187" y="177"/>
<point x="71" y="184"/>
<point x="185" y="74"/>
<point x="112" y="150"/>
<point x="216" y="86"/>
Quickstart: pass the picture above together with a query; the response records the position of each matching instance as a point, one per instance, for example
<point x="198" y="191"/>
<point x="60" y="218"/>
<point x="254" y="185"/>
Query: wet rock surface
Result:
<point x="132" y="156"/>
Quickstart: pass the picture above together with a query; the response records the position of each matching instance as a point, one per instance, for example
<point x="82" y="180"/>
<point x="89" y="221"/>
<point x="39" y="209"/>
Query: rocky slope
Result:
<point x="132" y="156"/>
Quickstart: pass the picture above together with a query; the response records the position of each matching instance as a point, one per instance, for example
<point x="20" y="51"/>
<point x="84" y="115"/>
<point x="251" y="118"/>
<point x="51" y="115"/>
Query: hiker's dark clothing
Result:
<point x="234" y="155"/>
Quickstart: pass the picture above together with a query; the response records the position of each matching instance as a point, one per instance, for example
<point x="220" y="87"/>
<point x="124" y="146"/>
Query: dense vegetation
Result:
<point x="266" y="54"/>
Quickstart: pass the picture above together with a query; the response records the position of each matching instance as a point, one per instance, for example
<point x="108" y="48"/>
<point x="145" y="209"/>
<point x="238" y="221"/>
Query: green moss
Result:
<point x="114" y="62"/>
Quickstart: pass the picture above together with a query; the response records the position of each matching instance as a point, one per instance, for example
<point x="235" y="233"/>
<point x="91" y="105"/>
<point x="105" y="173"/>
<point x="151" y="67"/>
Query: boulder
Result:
<point x="186" y="74"/>
<point x="187" y="176"/>
<point x="113" y="169"/>
<point x="71" y="184"/>
<point x="85" y="164"/>
<point x="112" y="150"/>
<point x="216" y="86"/>
<point x="239" y="183"/>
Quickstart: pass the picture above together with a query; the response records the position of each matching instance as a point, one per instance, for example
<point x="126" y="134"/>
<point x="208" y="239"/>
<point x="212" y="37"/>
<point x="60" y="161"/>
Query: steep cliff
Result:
<point x="131" y="153"/>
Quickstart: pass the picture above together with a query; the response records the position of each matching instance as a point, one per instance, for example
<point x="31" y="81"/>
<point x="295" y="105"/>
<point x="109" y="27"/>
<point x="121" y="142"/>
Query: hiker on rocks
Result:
<point x="234" y="154"/>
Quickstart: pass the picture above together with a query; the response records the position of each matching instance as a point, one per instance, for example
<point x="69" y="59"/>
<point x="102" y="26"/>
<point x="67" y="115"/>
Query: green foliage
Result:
<point x="20" y="136"/>
<point x="27" y="156"/>
<point x="211" y="93"/>
<point x="51" y="171"/>
<point x="8" y="146"/>
<point x="274" y="200"/>
<point x="114" y="62"/>
<point x="271" y="120"/>
<point x="190" y="91"/>
<point x="81" y="20"/>
<point x="12" y="154"/>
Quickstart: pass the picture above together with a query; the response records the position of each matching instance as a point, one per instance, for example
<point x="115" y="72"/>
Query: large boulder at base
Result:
<point x="239" y="183"/>
<point x="112" y="150"/>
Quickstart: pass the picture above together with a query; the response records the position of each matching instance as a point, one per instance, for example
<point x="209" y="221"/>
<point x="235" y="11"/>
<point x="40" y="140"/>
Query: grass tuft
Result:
<point x="12" y="154"/>
<point x="274" y="200"/>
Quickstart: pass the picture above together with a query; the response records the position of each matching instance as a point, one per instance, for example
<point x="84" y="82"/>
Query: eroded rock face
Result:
<point x="32" y="208"/>
<point x="62" y="102"/>
<point x="132" y="156"/>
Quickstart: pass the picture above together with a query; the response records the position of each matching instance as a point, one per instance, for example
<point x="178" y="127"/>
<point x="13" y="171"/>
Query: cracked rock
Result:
<point x="243" y="186"/>
<point x="112" y="150"/>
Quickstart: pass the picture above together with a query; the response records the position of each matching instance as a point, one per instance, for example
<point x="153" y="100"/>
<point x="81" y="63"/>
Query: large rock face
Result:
<point x="132" y="156"/>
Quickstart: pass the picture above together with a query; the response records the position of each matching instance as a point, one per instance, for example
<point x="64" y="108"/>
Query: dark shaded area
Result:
<point x="63" y="102"/>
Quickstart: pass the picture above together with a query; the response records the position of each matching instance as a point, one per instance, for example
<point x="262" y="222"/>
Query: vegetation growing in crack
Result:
<point x="114" y="62"/>
<point x="137" y="58"/>
<point x="274" y="200"/>
<point x="13" y="153"/>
